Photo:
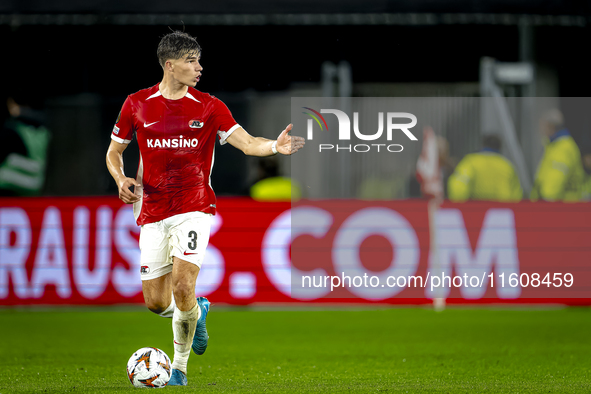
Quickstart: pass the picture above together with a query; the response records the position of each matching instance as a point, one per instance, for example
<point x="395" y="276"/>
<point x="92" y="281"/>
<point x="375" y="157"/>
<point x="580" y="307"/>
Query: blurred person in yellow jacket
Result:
<point x="271" y="186"/>
<point x="586" y="192"/>
<point x="485" y="175"/>
<point x="560" y="174"/>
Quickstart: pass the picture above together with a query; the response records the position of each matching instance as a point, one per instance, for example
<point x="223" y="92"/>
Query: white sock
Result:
<point x="170" y="310"/>
<point x="183" y="330"/>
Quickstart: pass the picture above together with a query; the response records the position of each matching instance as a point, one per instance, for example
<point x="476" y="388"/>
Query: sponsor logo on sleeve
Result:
<point x="116" y="130"/>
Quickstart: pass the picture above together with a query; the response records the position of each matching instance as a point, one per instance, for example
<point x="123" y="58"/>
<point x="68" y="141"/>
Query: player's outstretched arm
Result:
<point x="285" y="144"/>
<point x="115" y="166"/>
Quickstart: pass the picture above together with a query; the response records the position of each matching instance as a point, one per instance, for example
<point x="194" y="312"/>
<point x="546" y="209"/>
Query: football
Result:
<point x="149" y="367"/>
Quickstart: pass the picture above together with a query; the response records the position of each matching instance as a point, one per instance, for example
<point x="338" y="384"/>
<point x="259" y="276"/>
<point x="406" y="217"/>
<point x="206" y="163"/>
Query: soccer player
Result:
<point x="176" y="127"/>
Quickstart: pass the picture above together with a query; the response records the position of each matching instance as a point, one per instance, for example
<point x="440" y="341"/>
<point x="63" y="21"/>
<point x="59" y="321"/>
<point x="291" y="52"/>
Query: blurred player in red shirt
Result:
<point x="176" y="127"/>
<point x="429" y="175"/>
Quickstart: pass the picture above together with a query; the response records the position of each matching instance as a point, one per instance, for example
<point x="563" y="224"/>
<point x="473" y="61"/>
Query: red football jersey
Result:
<point x="176" y="139"/>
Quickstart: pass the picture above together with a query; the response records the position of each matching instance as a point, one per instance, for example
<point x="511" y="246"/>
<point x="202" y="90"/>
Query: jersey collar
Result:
<point x="490" y="150"/>
<point x="187" y="95"/>
<point x="558" y="134"/>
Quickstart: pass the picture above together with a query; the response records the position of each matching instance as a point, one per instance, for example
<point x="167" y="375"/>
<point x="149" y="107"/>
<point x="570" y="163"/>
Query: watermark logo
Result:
<point x="391" y="119"/>
<point x="316" y="119"/>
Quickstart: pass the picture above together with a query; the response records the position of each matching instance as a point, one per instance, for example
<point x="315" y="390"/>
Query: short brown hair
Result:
<point x="175" y="45"/>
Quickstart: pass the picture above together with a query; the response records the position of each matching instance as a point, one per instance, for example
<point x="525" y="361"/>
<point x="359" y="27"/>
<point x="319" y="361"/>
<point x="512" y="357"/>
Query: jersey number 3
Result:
<point x="193" y="240"/>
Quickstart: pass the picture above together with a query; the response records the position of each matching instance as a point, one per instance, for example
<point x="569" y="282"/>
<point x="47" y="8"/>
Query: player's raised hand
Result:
<point x="288" y="144"/>
<point x="126" y="195"/>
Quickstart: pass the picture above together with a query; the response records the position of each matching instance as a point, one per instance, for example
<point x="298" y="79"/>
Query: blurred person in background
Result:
<point x="430" y="177"/>
<point x="271" y="186"/>
<point x="560" y="173"/>
<point x="24" y="142"/>
<point x="382" y="183"/>
<point x="485" y="175"/>
<point x="586" y="189"/>
<point x="434" y="166"/>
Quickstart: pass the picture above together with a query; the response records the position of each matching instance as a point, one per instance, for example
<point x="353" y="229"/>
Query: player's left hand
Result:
<point x="288" y="144"/>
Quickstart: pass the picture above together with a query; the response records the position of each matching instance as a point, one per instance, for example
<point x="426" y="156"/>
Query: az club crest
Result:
<point x="196" y="124"/>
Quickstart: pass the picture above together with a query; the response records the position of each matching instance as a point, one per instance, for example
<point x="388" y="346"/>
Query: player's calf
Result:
<point x="183" y="328"/>
<point x="158" y="295"/>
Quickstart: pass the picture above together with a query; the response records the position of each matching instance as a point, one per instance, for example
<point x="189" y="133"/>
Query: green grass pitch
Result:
<point x="414" y="350"/>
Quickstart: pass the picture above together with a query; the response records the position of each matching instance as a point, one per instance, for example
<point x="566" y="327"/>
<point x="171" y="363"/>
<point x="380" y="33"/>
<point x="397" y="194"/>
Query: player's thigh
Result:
<point x="158" y="292"/>
<point x="156" y="266"/>
<point x="189" y="236"/>
<point x="155" y="250"/>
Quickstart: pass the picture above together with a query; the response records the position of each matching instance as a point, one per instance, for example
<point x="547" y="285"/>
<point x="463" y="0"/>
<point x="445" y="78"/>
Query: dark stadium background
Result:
<point x="102" y="61"/>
